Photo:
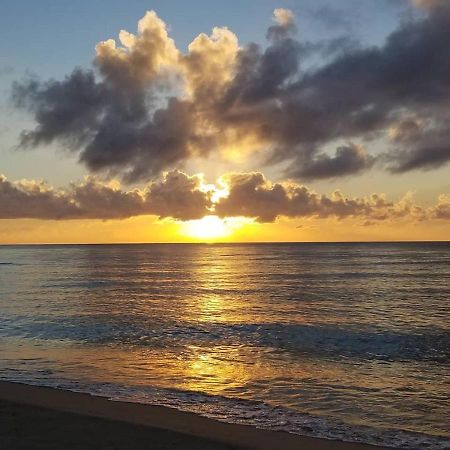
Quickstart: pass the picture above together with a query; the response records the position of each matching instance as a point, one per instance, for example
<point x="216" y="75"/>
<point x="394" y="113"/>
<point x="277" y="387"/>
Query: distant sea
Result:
<point x="341" y="341"/>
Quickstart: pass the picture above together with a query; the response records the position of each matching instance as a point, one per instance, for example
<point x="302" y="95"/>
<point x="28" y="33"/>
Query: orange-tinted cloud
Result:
<point x="182" y="197"/>
<point x="251" y="195"/>
<point x="176" y="195"/>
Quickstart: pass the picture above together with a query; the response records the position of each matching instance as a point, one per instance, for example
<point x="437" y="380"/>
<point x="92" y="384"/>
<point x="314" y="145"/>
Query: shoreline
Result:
<point x="153" y="419"/>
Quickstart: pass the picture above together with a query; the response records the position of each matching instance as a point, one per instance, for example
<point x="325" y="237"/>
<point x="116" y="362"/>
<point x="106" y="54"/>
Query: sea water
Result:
<point x="340" y="341"/>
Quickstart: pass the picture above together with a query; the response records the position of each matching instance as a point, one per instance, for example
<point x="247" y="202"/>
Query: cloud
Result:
<point x="421" y="144"/>
<point x="115" y="121"/>
<point x="182" y="197"/>
<point x="251" y="195"/>
<point x="442" y="209"/>
<point x="427" y="157"/>
<point x="66" y="110"/>
<point x="284" y="24"/>
<point x="33" y="200"/>
<point x="176" y="195"/>
<point x="142" y="59"/>
<point x="348" y="160"/>
<point x="430" y="4"/>
<point x="357" y="95"/>
<point x="147" y="107"/>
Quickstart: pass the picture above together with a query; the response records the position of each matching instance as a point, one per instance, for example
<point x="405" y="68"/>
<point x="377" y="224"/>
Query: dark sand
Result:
<point x="43" y="418"/>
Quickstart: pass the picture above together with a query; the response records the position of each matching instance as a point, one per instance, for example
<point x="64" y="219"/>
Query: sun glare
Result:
<point x="207" y="228"/>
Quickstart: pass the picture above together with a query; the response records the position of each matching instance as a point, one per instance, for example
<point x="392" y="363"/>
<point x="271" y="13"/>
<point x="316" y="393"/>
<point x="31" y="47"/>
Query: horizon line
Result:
<point x="227" y="243"/>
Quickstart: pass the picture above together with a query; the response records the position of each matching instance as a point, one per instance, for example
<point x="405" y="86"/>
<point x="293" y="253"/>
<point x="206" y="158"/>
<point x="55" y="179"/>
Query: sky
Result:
<point x="205" y="121"/>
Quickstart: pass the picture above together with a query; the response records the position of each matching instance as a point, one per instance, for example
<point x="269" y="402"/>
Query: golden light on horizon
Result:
<point x="207" y="228"/>
<point x="212" y="228"/>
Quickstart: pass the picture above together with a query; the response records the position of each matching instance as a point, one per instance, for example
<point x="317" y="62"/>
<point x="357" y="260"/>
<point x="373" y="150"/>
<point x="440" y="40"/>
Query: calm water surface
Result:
<point x="346" y="341"/>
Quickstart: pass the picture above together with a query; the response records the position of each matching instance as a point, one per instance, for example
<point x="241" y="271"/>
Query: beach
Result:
<point x="35" y="417"/>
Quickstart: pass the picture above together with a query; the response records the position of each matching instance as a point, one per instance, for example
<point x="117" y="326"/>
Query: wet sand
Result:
<point x="43" y="418"/>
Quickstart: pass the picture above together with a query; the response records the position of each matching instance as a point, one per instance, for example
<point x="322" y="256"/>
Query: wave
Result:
<point x="319" y="340"/>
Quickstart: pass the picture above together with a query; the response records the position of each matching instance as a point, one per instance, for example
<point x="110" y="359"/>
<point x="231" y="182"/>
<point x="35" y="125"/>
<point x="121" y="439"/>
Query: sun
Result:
<point x="207" y="228"/>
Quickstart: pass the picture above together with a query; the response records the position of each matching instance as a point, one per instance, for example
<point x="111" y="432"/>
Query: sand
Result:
<point x="34" y="417"/>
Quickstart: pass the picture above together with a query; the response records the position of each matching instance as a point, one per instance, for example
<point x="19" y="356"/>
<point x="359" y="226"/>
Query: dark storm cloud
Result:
<point x="151" y="108"/>
<point x="176" y="195"/>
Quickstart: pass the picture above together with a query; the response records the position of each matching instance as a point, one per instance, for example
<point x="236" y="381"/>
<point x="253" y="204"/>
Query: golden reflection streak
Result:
<point x="212" y="370"/>
<point x="215" y="369"/>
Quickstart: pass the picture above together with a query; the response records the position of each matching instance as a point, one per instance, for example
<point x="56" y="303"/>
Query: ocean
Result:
<point x="341" y="341"/>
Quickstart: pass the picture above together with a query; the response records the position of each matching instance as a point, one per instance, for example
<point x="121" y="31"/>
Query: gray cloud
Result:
<point x="421" y="144"/>
<point x="150" y="108"/>
<point x="357" y="95"/>
<point x="251" y="195"/>
<point x="33" y="200"/>
<point x="68" y="110"/>
<point x="116" y="122"/>
<point x="426" y="158"/>
<point x="176" y="195"/>
<point x="348" y="160"/>
<point x="114" y="130"/>
<point x="182" y="197"/>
